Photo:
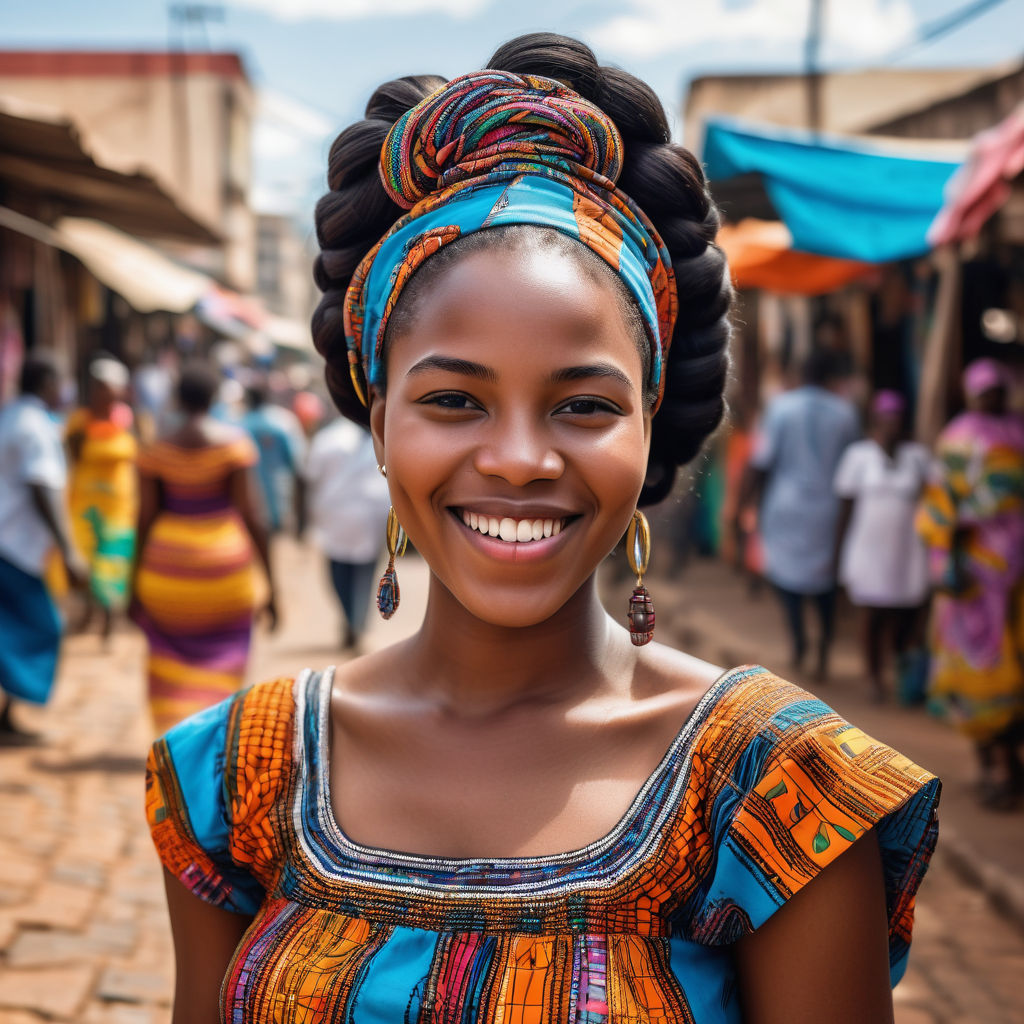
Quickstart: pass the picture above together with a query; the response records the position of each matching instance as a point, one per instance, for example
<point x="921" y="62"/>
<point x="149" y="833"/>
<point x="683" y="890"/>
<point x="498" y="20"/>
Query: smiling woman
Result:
<point x="526" y="812"/>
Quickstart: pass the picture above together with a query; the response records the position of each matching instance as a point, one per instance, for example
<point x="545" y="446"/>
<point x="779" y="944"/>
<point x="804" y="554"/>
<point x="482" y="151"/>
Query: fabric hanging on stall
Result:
<point x="981" y="187"/>
<point x="761" y="255"/>
<point x="856" y="199"/>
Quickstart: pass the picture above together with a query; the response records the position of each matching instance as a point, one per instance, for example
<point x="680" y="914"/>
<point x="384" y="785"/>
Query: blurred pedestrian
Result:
<point x="972" y="519"/>
<point x="347" y="501"/>
<point x="200" y="521"/>
<point x="802" y="436"/>
<point x="33" y="521"/>
<point x="153" y="390"/>
<point x="280" y="443"/>
<point x="103" y="495"/>
<point x="883" y="565"/>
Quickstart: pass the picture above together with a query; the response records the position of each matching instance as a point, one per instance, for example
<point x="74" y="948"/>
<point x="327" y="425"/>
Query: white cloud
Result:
<point x="350" y="10"/>
<point x="656" y="27"/>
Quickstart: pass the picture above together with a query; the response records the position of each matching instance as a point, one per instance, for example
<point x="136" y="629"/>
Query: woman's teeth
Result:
<point x="517" y="531"/>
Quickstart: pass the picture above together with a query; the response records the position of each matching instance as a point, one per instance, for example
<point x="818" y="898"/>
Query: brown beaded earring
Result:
<point x="641" y="607"/>
<point x="388" y="594"/>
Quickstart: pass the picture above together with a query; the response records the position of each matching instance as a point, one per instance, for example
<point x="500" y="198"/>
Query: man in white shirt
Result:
<point x="346" y="501"/>
<point x="33" y="480"/>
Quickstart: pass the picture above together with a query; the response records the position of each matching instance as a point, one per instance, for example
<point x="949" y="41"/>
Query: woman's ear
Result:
<point x="377" y="407"/>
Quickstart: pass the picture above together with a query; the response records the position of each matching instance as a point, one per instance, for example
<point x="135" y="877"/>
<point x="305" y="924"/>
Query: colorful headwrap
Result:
<point x="490" y="149"/>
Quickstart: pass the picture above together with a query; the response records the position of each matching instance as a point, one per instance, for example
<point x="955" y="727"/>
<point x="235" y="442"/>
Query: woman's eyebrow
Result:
<point x="571" y="373"/>
<point x="451" y="365"/>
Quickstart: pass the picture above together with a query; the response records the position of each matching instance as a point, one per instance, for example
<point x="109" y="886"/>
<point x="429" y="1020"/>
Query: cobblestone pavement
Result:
<point x="83" y="931"/>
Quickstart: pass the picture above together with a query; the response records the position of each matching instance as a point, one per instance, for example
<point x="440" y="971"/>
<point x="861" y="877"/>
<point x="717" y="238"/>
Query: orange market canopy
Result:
<point x="761" y="255"/>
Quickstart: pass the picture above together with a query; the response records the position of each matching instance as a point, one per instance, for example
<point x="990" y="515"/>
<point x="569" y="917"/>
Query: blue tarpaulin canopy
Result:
<point x="854" y="199"/>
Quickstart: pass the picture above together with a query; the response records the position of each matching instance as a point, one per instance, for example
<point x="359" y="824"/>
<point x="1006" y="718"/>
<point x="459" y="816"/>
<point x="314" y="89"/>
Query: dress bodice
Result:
<point x="762" y="787"/>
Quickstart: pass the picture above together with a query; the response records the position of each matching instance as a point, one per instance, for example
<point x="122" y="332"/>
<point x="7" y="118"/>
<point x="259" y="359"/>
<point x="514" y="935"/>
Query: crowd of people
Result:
<point x="173" y="532"/>
<point x="928" y="544"/>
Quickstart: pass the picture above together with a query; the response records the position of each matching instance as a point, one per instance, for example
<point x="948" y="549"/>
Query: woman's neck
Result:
<point x="474" y="669"/>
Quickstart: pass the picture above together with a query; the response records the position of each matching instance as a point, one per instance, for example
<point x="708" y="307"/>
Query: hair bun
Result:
<point x="492" y="117"/>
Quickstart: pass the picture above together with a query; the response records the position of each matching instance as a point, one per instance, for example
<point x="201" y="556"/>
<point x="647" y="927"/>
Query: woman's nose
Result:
<point x="519" y="451"/>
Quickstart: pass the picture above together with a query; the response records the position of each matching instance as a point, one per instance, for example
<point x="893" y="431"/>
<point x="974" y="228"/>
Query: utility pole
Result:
<point x="812" y="69"/>
<point x="180" y="17"/>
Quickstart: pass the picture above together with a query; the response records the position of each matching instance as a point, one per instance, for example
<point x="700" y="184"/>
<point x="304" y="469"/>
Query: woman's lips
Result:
<point x="479" y="527"/>
<point x="512" y="530"/>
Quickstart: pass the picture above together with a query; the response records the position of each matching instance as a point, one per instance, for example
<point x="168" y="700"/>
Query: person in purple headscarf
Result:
<point x="972" y="519"/>
<point x="882" y="562"/>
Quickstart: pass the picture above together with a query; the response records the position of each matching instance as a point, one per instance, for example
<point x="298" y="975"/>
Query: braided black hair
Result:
<point x="664" y="179"/>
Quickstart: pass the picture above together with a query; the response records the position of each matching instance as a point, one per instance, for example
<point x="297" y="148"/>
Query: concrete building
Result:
<point x="183" y="119"/>
<point x="284" y="276"/>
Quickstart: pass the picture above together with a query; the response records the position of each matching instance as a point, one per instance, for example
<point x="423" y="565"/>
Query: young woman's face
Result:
<point x="514" y="407"/>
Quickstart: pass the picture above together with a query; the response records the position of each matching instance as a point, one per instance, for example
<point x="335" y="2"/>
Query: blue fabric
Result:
<point x="402" y="965"/>
<point x="197" y="748"/>
<point x="30" y="630"/>
<point x="277" y="463"/>
<point x="852" y="200"/>
<point x="527" y="199"/>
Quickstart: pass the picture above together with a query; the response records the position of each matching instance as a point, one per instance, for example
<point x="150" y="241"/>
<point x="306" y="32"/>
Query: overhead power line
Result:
<point x="939" y="27"/>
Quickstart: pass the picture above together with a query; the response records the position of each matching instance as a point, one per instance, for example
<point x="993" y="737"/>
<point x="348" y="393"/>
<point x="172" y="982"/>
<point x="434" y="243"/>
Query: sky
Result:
<point x="314" y="63"/>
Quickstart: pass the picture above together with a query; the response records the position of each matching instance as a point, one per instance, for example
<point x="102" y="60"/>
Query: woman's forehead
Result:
<point x="508" y="302"/>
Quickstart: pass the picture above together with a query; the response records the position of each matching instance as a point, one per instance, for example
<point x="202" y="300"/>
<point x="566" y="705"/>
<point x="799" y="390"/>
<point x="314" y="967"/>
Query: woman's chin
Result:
<point x="519" y="610"/>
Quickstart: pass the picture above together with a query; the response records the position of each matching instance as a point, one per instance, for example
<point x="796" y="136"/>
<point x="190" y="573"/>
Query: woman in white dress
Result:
<point x="883" y="564"/>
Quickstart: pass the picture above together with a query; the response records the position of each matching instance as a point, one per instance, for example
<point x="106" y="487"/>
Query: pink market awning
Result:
<point x="983" y="184"/>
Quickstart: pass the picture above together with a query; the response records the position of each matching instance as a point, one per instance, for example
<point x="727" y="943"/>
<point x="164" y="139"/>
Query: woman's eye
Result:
<point x="587" y="407"/>
<point x="449" y="400"/>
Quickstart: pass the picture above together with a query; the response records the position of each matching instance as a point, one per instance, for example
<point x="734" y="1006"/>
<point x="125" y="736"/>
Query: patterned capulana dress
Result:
<point x="972" y="519"/>
<point x="762" y="788"/>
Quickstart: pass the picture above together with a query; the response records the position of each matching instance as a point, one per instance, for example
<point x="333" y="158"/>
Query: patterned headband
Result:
<point x="491" y="149"/>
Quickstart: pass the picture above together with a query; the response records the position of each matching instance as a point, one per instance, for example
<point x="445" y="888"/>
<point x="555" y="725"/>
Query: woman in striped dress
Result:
<point x="199" y="524"/>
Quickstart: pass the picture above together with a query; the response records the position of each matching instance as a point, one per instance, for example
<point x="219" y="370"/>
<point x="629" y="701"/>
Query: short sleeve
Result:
<point x="849" y="473"/>
<point x="187" y="811"/>
<point x="804" y="788"/>
<point x="40" y="455"/>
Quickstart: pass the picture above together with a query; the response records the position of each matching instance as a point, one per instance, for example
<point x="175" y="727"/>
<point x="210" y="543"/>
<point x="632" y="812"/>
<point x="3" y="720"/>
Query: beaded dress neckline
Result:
<point x="628" y="838"/>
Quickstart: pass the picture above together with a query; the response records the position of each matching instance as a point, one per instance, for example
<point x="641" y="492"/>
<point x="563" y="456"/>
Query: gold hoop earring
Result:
<point x="640" y="615"/>
<point x="388" y="594"/>
<point x="383" y="470"/>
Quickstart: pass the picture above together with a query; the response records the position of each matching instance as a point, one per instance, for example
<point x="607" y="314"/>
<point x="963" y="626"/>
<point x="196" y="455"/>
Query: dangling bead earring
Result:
<point x="388" y="594"/>
<point x="641" y="607"/>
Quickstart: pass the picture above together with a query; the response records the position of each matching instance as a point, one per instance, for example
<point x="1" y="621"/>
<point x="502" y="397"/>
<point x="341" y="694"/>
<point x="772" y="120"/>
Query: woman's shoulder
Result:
<point x="783" y="785"/>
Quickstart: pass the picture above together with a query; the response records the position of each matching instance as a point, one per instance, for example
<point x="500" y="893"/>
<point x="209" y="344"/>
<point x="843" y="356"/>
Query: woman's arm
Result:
<point x="824" y="955"/>
<point x="249" y="505"/>
<point x="205" y="939"/>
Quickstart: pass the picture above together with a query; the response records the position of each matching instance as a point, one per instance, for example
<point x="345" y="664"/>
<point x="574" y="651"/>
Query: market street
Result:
<point x="83" y="931"/>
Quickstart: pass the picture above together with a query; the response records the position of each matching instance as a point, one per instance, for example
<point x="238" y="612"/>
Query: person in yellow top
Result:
<point x="103" y="492"/>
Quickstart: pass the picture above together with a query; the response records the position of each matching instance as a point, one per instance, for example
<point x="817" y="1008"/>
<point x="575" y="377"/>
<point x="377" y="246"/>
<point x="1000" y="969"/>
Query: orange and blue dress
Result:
<point x="194" y="588"/>
<point x="761" y="789"/>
